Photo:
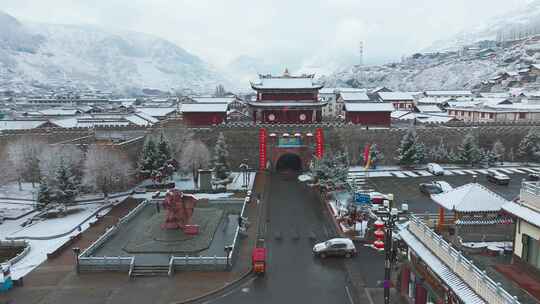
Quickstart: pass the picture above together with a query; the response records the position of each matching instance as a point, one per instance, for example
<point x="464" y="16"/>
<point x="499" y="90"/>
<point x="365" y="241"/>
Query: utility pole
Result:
<point x="361" y="53"/>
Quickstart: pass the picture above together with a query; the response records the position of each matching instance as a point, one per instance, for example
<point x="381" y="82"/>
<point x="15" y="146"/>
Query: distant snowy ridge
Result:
<point x="40" y="56"/>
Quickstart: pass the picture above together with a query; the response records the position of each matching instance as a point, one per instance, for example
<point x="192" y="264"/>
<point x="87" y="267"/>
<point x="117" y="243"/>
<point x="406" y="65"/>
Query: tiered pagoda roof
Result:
<point x="286" y="82"/>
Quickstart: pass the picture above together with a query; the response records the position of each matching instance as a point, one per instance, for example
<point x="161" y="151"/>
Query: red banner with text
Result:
<point x="319" y="143"/>
<point x="262" y="149"/>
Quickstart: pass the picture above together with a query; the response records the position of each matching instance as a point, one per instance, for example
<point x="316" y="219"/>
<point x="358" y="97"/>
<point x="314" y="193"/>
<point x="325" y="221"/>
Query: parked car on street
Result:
<point x="435" y="187"/>
<point x="435" y="169"/>
<point x="335" y="247"/>
<point x="498" y="178"/>
<point x="533" y="176"/>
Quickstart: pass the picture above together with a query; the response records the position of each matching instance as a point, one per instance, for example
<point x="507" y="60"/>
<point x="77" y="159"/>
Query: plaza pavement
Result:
<point x="56" y="282"/>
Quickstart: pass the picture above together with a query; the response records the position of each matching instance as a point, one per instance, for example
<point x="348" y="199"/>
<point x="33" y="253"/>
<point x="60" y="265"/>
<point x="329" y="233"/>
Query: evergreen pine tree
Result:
<point x="488" y="157"/>
<point x="499" y="150"/>
<point x="44" y="197"/>
<point x="163" y="152"/>
<point x="148" y="159"/>
<point x="221" y="154"/>
<point x="331" y="171"/>
<point x="410" y="151"/>
<point x="439" y="153"/>
<point x="468" y="151"/>
<point x="529" y="147"/>
<point x="66" y="188"/>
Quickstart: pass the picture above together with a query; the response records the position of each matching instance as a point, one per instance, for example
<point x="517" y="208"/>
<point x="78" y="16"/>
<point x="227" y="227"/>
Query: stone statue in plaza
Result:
<point x="179" y="210"/>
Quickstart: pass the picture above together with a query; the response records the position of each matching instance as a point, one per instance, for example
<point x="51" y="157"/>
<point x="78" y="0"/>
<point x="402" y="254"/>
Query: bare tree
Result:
<point x="178" y="137"/>
<point x="195" y="156"/>
<point x="23" y="155"/>
<point x="106" y="170"/>
<point x="53" y="155"/>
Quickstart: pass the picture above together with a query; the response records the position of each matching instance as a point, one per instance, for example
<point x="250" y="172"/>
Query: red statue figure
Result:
<point x="179" y="208"/>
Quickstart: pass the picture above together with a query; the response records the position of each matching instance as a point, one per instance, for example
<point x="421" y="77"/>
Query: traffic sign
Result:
<point x="362" y="198"/>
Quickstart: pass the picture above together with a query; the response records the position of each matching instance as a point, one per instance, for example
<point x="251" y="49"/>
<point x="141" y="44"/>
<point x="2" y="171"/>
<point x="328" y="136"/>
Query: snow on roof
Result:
<point x="157" y="111"/>
<point x="66" y="122"/>
<point x="59" y="112"/>
<point x="429" y="109"/>
<point x="431" y="100"/>
<point x="452" y="280"/>
<point x="369" y="107"/>
<point x="448" y="93"/>
<point x="463" y="104"/>
<point x="21" y="124"/>
<point x="147" y="117"/>
<point x="305" y="103"/>
<point x="389" y="96"/>
<point x="286" y="83"/>
<point x="399" y="113"/>
<point x="536" y="66"/>
<point x="204" y="107"/>
<point x="523" y="212"/>
<point x="356" y="96"/>
<point x="226" y="100"/>
<point x="471" y="197"/>
<point x="137" y="120"/>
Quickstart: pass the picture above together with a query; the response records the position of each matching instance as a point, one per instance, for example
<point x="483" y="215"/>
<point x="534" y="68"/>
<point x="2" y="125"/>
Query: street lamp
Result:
<point x="244" y="168"/>
<point x="390" y="216"/>
<point x="228" y="250"/>
<point x="76" y="252"/>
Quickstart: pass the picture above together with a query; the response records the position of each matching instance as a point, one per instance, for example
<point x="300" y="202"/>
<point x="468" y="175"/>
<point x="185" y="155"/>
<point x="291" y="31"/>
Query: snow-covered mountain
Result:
<point x="470" y="60"/>
<point x="524" y="19"/>
<point x="34" y="56"/>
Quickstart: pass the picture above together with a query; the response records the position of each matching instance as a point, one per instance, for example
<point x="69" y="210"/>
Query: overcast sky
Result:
<point x="276" y="30"/>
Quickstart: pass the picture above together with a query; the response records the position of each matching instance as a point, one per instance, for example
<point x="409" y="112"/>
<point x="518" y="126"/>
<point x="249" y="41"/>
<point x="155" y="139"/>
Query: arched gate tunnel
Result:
<point x="289" y="161"/>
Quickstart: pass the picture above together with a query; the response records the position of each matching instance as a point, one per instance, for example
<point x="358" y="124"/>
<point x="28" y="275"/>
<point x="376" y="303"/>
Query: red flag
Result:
<point x="366" y="154"/>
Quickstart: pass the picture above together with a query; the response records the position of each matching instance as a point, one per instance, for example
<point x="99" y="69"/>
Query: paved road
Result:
<point x="294" y="275"/>
<point x="406" y="189"/>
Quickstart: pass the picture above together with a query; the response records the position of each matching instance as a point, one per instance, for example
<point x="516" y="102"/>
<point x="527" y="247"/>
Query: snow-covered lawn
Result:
<point x="12" y="191"/>
<point x="9" y="208"/>
<point x="46" y="228"/>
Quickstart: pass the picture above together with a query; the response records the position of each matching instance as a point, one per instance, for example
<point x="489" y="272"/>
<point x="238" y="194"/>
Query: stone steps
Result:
<point x="150" y="270"/>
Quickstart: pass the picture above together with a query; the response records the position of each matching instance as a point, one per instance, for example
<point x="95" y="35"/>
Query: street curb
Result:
<point x="217" y="290"/>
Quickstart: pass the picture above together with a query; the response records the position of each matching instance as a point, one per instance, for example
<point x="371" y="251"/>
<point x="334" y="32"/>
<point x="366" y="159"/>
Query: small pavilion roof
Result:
<point x="471" y="197"/>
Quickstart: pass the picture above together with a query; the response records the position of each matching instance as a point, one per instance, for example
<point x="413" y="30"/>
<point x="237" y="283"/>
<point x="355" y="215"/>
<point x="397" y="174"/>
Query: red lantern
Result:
<point x="379" y="234"/>
<point x="379" y="224"/>
<point x="378" y="244"/>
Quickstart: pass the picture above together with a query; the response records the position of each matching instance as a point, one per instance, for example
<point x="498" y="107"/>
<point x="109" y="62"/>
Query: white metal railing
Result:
<point x="106" y="261"/>
<point x="102" y="239"/>
<point x="171" y="266"/>
<point x="237" y="232"/>
<point x="133" y="212"/>
<point x="198" y="260"/>
<point x="530" y="194"/>
<point x="483" y="285"/>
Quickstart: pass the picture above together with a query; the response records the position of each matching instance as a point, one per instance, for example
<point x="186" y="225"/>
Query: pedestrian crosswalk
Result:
<point x="359" y="177"/>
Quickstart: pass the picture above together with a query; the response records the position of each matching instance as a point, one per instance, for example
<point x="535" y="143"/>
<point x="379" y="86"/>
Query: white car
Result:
<point x="435" y="169"/>
<point x="335" y="247"/>
<point x="445" y="186"/>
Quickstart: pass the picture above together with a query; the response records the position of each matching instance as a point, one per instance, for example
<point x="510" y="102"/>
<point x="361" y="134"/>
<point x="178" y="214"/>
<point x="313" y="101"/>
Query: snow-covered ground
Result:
<point x="12" y="190"/>
<point x="186" y="182"/>
<point x="46" y="228"/>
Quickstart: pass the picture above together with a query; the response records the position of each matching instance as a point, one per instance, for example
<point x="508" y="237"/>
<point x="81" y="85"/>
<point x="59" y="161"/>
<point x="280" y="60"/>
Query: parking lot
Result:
<point x="406" y="189"/>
